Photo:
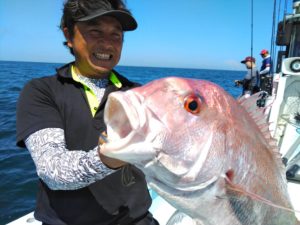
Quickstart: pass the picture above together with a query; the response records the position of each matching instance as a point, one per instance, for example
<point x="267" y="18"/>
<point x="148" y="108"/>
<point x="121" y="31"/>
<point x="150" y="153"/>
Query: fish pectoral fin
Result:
<point x="236" y="191"/>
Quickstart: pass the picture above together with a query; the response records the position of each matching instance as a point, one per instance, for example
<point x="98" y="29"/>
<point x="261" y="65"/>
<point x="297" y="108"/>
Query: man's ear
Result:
<point x="68" y="37"/>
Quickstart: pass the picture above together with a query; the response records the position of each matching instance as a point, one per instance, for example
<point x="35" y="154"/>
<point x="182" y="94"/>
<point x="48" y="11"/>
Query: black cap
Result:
<point x="84" y="11"/>
<point x="126" y="20"/>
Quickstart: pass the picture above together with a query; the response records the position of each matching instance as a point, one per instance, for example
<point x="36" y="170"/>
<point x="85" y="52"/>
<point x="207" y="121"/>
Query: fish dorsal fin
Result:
<point x="243" y="192"/>
<point x="259" y="116"/>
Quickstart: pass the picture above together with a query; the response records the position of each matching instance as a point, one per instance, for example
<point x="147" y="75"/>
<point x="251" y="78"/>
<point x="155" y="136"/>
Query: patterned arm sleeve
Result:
<point x="60" y="168"/>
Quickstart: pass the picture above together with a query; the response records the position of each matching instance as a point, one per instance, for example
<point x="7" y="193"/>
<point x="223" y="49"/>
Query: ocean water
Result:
<point x="17" y="172"/>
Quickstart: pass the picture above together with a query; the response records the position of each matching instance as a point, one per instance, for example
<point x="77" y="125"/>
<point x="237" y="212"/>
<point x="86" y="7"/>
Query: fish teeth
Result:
<point x="103" y="56"/>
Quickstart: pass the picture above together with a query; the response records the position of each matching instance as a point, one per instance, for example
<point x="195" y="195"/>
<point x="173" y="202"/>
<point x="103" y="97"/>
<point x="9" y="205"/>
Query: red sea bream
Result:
<point x="206" y="153"/>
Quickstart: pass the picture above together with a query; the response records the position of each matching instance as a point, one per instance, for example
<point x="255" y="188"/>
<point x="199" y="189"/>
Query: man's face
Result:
<point x="248" y="64"/>
<point x="97" y="46"/>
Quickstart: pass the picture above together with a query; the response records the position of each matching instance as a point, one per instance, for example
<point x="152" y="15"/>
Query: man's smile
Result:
<point x="103" y="56"/>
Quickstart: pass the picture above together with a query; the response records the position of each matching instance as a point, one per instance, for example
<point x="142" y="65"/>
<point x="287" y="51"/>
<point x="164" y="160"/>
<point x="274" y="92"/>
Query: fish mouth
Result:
<point x="125" y="118"/>
<point x="120" y="117"/>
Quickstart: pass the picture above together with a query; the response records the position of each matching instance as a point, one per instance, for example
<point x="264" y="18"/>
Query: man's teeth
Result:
<point x="103" y="56"/>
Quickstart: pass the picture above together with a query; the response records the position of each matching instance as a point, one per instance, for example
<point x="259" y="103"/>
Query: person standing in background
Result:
<point x="250" y="83"/>
<point x="60" y="119"/>
<point x="266" y="72"/>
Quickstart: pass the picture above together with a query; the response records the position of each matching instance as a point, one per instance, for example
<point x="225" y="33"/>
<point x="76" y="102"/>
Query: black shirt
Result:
<point x="60" y="102"/>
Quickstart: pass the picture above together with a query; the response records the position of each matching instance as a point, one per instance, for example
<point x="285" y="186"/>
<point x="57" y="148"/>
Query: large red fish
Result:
<point x="208" y="155"/>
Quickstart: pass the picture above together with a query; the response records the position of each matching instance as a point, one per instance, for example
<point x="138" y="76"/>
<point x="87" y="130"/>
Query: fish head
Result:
<point x="169" y="127"/>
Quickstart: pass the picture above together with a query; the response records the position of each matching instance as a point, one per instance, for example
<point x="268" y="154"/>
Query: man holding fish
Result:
<point x="60" y="118"/>
<point x="208" y="155"/>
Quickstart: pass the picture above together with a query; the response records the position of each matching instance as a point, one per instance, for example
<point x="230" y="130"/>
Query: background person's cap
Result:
<point x="264" y="51"/>
<point x="126" y="20"/>
<point x="248" y="59"/>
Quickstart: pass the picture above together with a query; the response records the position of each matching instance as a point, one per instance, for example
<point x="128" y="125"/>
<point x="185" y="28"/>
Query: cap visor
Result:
<point x="126" y="20"/>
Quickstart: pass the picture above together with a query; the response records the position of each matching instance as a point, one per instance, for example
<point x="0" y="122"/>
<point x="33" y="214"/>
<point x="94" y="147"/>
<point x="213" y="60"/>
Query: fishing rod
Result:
<point x="252" y="28"/>
<point x="272" y="49"/>
<point x="251" y="36"/>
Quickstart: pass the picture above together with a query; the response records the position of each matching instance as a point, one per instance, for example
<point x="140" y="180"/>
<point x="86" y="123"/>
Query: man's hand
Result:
<point x="238" y="83"/>
<point x="109" y="162"/>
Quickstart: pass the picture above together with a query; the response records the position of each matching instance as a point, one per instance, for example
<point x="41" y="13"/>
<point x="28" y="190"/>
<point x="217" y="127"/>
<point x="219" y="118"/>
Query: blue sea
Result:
<point x="17" y="172"/>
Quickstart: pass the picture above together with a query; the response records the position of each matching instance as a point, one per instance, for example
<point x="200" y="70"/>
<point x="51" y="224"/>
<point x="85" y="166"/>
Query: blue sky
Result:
<point x="171" y="33"/>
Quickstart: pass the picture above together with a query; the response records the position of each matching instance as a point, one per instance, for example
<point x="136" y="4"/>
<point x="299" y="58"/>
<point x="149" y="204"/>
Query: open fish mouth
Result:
<point x="126" y="122"/>
<point x="121" y="118"/>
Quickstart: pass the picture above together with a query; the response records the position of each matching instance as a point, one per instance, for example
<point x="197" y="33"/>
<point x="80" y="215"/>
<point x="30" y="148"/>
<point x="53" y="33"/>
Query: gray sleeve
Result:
<point x="60" y="168"/>
<point x="248" y="75"/>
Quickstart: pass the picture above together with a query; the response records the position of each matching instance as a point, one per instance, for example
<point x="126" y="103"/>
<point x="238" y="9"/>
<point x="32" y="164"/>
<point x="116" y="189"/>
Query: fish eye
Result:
<point x="192" y="104"/>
